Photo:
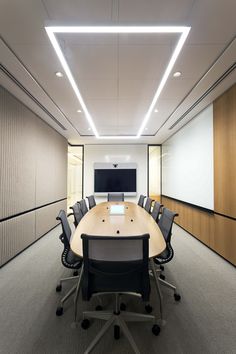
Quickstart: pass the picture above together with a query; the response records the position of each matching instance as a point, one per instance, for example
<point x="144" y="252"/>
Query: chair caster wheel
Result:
<point x="162" y="276"/>
<point x="58" y="288"/>
<point x="162" y="267"/>
<point x="148" y="308"/>
<point x="85" y="323"/>
<point x="116" y="332"/>
<point x="123" y="306"/>
<point x="156" y="330"/>
<point x="75" y="273"/>
<point x="59" y="311"/>
<point x="98" y="308"/>
<point x="177" y="297"/>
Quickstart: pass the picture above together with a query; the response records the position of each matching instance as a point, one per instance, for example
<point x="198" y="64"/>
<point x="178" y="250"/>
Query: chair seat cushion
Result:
<point x="70" y="259"/>
<point x="116" y="277"/>
<point x="165" y="256"/>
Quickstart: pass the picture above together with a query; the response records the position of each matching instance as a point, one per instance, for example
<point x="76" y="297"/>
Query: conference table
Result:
<point x="120" y="219"/>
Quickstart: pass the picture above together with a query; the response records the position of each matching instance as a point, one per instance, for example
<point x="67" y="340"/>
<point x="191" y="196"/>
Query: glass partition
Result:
<point x="154" y="172"/>
<point x="74" y="175"/>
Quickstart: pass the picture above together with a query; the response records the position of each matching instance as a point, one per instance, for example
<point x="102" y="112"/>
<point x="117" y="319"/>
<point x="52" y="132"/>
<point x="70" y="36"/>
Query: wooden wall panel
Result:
<point x="205" y="226"/>
<point x="196" y="224"/>
<point x="224" y="240"/>
<point x="194" y="220"/>
<point x="215" y="231"/>
<point x="224" y="109"/>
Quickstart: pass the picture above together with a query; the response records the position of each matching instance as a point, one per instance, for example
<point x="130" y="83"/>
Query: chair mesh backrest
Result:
<point x="115" y="264"/>
<point x="66" y="230"/>
<point x="91" y="201"/>
<point x="166" y="222"/>
<point x="115" y="197"/>
<point x="77" y="213"/>
<point x="148" y="205"/>
<point x="83" y="206"/>
<point x="68" y="258"/>
<point x="141" y="200"/>
<point x="156" y="211"/>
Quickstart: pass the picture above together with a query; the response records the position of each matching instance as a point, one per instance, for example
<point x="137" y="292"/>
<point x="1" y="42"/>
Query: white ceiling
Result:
<point x="117" y="74"/>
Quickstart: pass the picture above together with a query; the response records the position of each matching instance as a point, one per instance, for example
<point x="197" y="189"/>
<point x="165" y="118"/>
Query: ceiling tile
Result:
<point x="153" y="11"/>
<point x="118" y="74"/>
<point x="143" y="62"/>
<point x="79" y="11"/>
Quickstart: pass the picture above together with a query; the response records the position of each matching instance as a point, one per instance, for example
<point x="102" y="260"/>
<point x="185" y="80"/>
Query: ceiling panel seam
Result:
<point x="13" y="78"/>
<point x="205" y="94"/>
<point x="6" y="72"/>
<point x="196" y="84"/>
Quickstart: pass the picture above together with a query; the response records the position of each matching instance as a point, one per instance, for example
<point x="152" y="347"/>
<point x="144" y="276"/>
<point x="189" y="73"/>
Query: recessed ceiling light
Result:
<point x="89" y="128"/>
<point x="146" y="128"/>
<point x="79" y="111"/>
<point x="182" y="30"/>
<point x="177" y="74"/>
<point x="156" y="110"/>
<point x="58" y="74"/>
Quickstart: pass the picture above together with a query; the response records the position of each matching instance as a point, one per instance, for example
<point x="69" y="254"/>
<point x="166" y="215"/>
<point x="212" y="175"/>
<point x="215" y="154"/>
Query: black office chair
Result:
<point x="68" y="259"/>
<point x="91" y="201"/>
<point x="148" y="204"/>
<point x="77" y="213"/>
<point x="141" y="200"/>
<point x="156" y="211"/>
<point x="116" y="265"/>
<point x="83" y="206"/>
<point x="165" y="224"/>
<point x="115" y="197"/>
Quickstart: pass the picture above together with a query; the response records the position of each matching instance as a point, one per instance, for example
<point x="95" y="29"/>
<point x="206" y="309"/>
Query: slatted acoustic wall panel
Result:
<point x="33" y="174"/>
<point x="217" y="229"/>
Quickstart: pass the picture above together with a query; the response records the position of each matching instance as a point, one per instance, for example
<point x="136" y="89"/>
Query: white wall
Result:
<point x="187" y="162"/>
<point x="115" y="154"/>
<point x="154" y="171"/>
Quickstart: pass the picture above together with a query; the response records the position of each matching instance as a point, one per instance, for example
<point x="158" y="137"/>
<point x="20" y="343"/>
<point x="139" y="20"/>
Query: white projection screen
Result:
<point x="187" y="162"/>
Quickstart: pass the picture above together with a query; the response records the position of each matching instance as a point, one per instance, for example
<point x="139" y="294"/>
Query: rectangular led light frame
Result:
<point x="182" y="30"/>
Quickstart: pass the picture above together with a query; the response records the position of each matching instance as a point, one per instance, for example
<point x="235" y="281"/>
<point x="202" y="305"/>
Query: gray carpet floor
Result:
<point x="203" y="322"/>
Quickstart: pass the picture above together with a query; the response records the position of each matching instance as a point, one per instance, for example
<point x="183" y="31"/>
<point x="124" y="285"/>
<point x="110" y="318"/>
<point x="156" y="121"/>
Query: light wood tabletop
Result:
<point x="135" y="221"/>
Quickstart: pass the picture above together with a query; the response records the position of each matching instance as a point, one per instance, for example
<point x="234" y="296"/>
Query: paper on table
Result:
<point x="117" y="210"/>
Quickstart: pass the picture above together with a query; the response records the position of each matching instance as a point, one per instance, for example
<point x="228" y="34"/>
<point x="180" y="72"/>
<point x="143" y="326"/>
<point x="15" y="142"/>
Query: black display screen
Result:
<point x="114" y="180"/>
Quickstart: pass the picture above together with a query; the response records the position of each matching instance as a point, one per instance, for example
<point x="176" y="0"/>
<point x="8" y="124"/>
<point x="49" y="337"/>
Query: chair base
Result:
<point x="59" y="311"/>
<point x="163" y="282"/>
<point x="63" y="280"/>
<point x="172" y="287"/>
<point x="118" y="319"/>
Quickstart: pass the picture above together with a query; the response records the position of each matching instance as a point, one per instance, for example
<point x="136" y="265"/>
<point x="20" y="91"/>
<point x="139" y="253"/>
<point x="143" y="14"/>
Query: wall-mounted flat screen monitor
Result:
<point x="114" y="180"/>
